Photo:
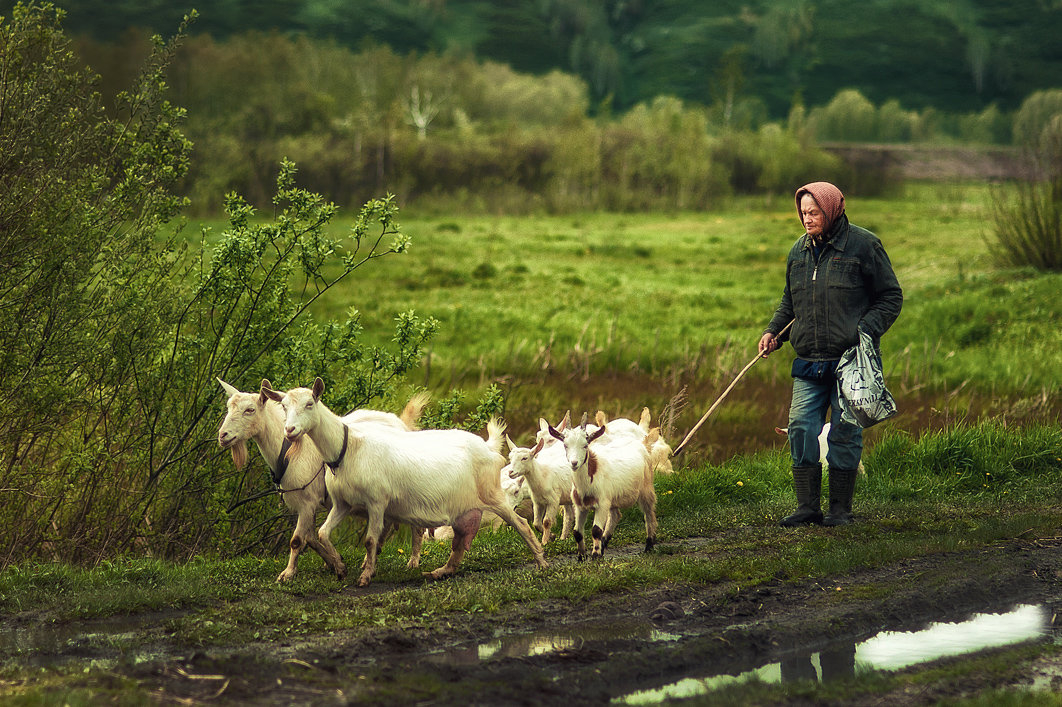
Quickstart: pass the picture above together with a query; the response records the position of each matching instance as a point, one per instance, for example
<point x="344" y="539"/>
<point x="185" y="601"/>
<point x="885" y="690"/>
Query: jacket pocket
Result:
<point x="845" y="273"/>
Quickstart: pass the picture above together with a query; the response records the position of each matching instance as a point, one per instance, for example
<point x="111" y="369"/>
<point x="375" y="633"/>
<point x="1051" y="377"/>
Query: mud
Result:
<point x="596" y="651"/>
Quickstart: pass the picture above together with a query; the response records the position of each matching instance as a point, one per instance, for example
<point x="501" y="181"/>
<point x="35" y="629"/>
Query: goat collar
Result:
<point x="342" y="452"/>
<point x="281" y="467"/>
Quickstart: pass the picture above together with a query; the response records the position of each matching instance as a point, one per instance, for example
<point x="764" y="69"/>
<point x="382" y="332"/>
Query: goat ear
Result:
<point x="644" y="421"/>
<point x="601" y="418"/>
<point x="543" y="426"/>
<point x="583" y="422"/>
<point x="652" y="437"/>
<point x="510" y="443"/>
<point x="595" y="434"/>
<point x="566" y="421"/>
<point x="555" y="433"/>
<point x="318" y="388"/>
<point x="538" y="447"/>
<point x="229" y="390"/>
<point x="267" y="392"/>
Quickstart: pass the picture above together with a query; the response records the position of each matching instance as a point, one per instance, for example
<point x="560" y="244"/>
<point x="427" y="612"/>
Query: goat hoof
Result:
<point x="284" y="576"/>
<point x="440" y="573"/>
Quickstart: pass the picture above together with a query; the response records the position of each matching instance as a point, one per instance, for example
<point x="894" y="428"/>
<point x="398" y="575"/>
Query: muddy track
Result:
<point x="594" y="651"/>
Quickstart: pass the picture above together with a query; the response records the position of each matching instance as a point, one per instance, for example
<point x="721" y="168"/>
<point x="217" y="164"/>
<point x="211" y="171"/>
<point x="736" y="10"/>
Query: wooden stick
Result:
<point x="730" y="387"/>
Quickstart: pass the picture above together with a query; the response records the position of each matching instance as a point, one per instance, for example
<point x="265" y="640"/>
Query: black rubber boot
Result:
<point x="807" y="482"/>
<point x="842" y="487"/>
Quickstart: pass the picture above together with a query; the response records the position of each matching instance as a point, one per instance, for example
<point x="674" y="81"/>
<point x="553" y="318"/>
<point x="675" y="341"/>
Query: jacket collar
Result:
<point x="838" y="235"/>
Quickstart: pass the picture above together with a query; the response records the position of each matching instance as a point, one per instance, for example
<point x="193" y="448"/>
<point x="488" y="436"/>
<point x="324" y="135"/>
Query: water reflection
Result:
<point x="87" y="641"/>
<point x="889" y="650"/>
<point x="525" y="645"/>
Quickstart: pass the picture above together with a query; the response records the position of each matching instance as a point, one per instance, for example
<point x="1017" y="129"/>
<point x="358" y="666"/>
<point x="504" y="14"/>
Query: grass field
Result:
<point x="616" y="311"/>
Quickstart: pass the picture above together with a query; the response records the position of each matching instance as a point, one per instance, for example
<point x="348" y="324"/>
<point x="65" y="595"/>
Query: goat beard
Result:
<point x="239" y="454"/>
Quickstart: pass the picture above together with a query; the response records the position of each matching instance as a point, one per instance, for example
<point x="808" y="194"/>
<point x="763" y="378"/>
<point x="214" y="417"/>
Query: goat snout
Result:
<point x="224" y="439"/>
<point x="290" y="432"/>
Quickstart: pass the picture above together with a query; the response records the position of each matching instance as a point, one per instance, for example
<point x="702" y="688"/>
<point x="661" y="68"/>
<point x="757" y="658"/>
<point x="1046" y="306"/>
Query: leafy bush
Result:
<point x="112" y="339"/>
<point x="88" y="295"/>
<point x="849" y="117"/>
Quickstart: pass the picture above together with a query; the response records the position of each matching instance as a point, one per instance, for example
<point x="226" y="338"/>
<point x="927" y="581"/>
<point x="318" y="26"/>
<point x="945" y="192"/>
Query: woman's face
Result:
<point x="812" y="216"/>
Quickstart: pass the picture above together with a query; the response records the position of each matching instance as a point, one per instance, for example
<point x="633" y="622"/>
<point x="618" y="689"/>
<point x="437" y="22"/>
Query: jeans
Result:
<point x="807" y="415"/>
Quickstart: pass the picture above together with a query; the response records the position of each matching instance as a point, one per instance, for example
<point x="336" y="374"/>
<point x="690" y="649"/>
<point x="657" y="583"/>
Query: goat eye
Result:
<point x="248" y="411"/>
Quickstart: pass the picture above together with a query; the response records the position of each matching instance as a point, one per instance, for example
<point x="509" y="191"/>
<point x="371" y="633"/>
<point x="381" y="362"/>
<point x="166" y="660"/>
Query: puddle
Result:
<point x="889" y="650"/>
<point x="87" y="641"/>
<point x="544" y="642"/>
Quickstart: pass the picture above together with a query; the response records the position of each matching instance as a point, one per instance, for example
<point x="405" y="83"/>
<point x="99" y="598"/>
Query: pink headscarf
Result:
<point x="827" y="196"/>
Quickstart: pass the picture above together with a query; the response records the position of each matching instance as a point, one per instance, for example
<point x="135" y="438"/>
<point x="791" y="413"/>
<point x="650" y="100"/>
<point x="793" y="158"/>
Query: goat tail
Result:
<point x="412" y="411"/>
<point x="643" y="422"/>
<point x="495" y="434"/>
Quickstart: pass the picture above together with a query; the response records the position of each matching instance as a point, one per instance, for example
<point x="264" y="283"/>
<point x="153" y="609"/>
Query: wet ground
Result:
<point x="637" y="647"/>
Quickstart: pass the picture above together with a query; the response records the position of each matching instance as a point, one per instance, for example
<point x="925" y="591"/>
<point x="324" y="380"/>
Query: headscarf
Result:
<point x="828" y="197"/>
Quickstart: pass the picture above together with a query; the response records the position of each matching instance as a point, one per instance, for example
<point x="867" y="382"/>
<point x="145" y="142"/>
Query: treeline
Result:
<point x="955" y="57"/>
<point x="448" y="131"/>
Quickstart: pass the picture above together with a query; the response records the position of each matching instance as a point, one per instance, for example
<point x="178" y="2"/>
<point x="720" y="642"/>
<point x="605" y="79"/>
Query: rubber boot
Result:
<point x="807" y="482"/>
<point x="842" y="487"/>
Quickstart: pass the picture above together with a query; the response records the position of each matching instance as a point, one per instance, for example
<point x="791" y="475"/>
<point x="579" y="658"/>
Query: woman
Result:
<point x="838" y="280"/>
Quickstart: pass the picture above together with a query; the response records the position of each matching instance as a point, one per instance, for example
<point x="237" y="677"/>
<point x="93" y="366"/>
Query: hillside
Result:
<point x="759" y="55"/>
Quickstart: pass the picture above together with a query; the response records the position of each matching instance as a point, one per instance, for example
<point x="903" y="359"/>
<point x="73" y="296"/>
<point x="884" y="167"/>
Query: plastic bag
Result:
<point x="864" y="399"/>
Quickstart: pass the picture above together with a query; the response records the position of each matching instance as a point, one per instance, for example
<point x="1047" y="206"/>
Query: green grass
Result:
<point x="688" y="294"/>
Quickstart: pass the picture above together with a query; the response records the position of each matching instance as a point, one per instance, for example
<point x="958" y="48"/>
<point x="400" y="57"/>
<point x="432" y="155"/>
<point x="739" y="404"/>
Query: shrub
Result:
<point x="112" y="338"/>
<point x="849" y="117"/>
<point x="87" y="291"/>
<point x="1028" y="225"/>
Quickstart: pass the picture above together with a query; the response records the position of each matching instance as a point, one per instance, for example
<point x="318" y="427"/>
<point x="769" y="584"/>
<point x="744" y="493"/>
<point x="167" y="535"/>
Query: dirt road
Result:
<point x="600" y="650"/>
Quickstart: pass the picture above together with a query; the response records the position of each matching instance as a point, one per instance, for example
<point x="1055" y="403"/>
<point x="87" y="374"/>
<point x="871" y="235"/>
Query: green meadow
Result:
<point x="616" y="311"/>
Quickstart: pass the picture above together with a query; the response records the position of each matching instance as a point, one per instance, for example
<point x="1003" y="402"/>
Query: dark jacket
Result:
<point x="852" y="286"/>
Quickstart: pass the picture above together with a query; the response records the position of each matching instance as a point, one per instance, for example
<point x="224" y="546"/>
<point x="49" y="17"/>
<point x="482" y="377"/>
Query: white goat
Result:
<point x="425" y="478"/>
<point x="548" y="476"/>
<point x="659" y="451"/>
<point x="297" y="469"/>
<point x="608" y="478"/>
<point x="517" y="495"/>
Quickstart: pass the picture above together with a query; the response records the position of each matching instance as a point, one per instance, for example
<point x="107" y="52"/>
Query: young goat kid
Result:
<point x="298" y="469"/>
<point x="548" y="476"/>
<point x="425" y="478"/>
<point x="608" y="478"/>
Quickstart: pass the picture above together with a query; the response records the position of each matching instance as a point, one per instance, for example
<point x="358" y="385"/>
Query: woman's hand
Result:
<point x="768" y="343"/>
